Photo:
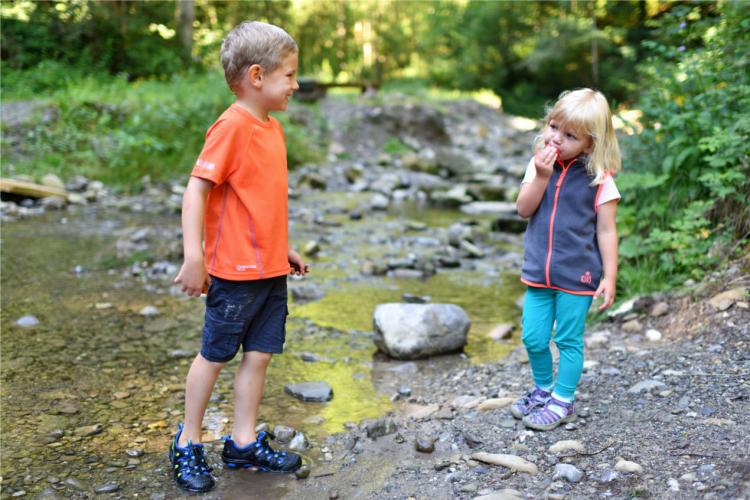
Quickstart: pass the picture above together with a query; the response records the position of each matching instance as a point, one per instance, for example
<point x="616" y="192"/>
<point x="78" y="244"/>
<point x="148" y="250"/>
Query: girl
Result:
<point x="570" y="254"/>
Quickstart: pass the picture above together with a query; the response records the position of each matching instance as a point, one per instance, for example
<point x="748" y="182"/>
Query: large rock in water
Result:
<point x="411" y="331"/>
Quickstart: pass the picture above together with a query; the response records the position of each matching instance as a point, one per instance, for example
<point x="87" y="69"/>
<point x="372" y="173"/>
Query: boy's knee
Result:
<point x="260" y="357"/>
<point x="211" y="365"/>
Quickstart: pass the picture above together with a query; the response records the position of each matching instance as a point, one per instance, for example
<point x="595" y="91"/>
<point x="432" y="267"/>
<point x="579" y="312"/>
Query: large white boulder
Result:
<point x="411" y="331"/>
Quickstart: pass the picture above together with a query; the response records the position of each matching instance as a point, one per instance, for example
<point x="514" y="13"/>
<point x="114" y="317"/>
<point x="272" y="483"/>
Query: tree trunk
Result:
<point x="185" y="18"/>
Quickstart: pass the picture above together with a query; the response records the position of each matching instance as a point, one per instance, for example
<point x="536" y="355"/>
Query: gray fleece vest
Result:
<point x="560" y="246"/>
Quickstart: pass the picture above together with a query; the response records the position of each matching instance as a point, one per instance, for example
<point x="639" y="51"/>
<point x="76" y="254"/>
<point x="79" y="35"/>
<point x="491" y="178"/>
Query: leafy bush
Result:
<point x="685" y="185"/>
<point x="118" y="131"/>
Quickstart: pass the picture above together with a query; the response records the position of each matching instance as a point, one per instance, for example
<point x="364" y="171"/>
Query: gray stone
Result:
<point x="646" y="385"/>
<point x="425" y="443"/>
<point x="379" y="202"/>
<point x="379" y="427"/>
<point x="659" y="309"/>
<point x="303" y="472"/>
<point x="306" y="293"/>
<point x="107" y="488"/>
<point x="310" y="391"/>
<point x="149" y="311"/>
<point x="75" y="484"/>
<point x="27" y="321"/>
<point x="569" y="472"/>
<point x="411" y="331"/>
<point x="495" y="208"/>
<point x="299" y="442"/>
<point x="283" y="433"/>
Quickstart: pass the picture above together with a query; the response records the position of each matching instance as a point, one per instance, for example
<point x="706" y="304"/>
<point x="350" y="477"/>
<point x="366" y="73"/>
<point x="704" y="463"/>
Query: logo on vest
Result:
<point x="586" y="278"/>
<point x="246" y="267"/>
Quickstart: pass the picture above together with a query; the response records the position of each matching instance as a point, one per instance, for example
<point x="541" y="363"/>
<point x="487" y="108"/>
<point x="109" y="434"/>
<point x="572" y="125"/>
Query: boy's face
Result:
<point x="279" y="84"/>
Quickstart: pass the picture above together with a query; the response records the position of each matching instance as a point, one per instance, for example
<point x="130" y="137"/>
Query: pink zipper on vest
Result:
<point x="558" y="184"/>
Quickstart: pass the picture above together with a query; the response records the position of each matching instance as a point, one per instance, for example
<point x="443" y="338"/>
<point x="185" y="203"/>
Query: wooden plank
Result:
<point x="30" y="189"/>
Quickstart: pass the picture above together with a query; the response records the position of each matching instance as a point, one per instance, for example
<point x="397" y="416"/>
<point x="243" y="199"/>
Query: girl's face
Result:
<point x="568" y="142"/>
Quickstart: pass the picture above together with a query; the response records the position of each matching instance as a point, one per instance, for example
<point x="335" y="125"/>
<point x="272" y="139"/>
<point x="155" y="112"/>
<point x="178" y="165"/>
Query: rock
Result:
<point x="566" y="445"/>
<point x="453" y="197"/>
<point x="472" y="250"/>
<point x="659" y="309"/>
<point x="653" y="335"/>
<point x="89" y="430"/>
<point x="569" y="472"/>
<point x="299" y="442"/>
<point x="283" y="433"/>
<point x="333" y="495"/>
<point x="495" y="403"/>
<point x="75" y="484"/>
<point x="149" y="311"/>
<point x="504" y="494"/>
<point x="121" y="395"/>
<point x="134" y="452"/>
<point x="181" y="353"/>
<point x="597" y="338"/>
<point x="608" y="475"/>
<point x="52" y="202"/>
<point x="725" y="300"/>
<point x="306" y="293"/>
<point x="509" y="224"/>
<point x="311" y="248"/>
<point x="379" y="427"/>
<point x="627" y="466"/>
<point x="27" y="321"/>
<point x="632" y="326"/>
<point x="310" y="391"/>
<point x="53" y="181"/>
<point x="418" y="412"/>
<point x="314" y="180"/>
<point x="512" y="462"/>
<point x="502" y="331"/>
<point x="646" y="385"/>
<point x="379" y="202"/>
<point x="303" y="472"/>
<point x="415" y="299"/>
<point x="471" y="439"/>
<point x="411" y="331"/>
<point x="466" y="402"/>
<point x="624" y="308"/>
<point x="310" y="357"/>
<point x="425" y="443"/>
<point x="458" y="232"/>
<point x="494" y="208"/>
<point x="107" y="488"/>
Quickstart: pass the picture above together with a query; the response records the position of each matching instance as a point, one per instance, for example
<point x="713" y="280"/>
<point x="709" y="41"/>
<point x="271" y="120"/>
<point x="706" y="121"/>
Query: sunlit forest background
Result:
<point x="137" y="84"/>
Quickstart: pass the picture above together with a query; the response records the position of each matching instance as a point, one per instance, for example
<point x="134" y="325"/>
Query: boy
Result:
<point x="238" y="193"/>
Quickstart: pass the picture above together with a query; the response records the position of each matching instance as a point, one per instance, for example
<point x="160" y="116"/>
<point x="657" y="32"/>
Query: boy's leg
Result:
<point x="571" y="322"/>
<point x="538" y="317"/>
<point x="248" y="391"/>
<point x="200" y="383"/>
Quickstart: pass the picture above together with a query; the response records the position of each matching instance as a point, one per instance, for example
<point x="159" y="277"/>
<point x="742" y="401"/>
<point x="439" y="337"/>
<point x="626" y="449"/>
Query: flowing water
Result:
<point x="92" y="394"/>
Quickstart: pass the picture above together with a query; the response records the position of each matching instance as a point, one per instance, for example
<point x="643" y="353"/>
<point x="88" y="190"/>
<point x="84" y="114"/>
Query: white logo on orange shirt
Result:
<point x="205" y="164"/>
<point x="247" y="267"/>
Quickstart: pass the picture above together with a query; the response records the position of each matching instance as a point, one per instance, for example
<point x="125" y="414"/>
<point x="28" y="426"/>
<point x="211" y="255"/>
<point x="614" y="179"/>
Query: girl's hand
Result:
<point x="193" y="277"/>
<point x="607" y="288"/>
<point x="299" y="268"/>
<point x="544" y="161"/>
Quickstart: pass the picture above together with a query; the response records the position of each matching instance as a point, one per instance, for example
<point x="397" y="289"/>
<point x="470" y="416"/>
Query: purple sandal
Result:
<point x="546" y="419"/>
<point x="533" y="399"/>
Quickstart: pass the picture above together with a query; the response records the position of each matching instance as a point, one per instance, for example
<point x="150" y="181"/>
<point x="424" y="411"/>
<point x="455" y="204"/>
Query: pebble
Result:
<point x="645" y="385"/>
<point x="569" y="472"/>
<point x="608" y="476"/>
<point x="565" y="445"/>
<point x="653" y="335"/>
<point x="27" y="321"/>
<point x="283" y="433"/>
<point x="107" y="488"/>
<point x="659" y="309"/>
<point x="632" y="326"/>
<point x="502" y="331"/>
<point x="89" y="430"/>
<point x="299" y="442"/>
<point x="627" y="466"/>
<point x="493" y="404"/>
<point x="333" y="495"/>
<point x="75" y="484"/>
<point x="425" y="443"/>
<point x="149" y="311"/>
<point x="504" y="494"/>
<point x="303" y="472"/>
<point x="512" y="462"/>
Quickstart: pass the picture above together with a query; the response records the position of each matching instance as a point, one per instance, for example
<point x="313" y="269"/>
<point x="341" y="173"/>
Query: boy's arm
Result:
<point x="606" y="236"/>
<point x="531" y="193"/>
<point x="192" y="275"/>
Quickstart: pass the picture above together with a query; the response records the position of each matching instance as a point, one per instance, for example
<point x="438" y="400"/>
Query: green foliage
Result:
<point x="685" y="181"/>
<point x="117" y="131"/>
<point x="394" y="146"/>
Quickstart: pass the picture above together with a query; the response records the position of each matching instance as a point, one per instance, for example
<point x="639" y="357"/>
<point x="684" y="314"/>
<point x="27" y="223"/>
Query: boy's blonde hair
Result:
<point x="254" y="42"/>
<point x="587" y="112"/>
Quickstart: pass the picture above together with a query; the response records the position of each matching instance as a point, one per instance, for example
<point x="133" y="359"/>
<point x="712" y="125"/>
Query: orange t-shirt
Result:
<point x="246" y="233"/>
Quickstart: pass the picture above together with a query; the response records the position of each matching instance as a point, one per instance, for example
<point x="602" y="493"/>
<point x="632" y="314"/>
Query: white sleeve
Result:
<point x="608" y="192"/>
<point x="530" y="172"/>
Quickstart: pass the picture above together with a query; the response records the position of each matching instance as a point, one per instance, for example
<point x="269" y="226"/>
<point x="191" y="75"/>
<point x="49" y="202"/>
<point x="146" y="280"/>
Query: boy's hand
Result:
<point x="608" y="289"/>
<point x="193" y="277"/>
<point x="299" y="268"/>
<point x="544" y="161"/>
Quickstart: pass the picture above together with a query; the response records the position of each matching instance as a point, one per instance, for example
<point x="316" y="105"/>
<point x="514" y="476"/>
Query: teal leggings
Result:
<point x="541" y="308"/>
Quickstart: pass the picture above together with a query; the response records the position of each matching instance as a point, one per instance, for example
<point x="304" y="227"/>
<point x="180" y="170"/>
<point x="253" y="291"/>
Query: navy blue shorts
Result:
<point x="251" y="314"/>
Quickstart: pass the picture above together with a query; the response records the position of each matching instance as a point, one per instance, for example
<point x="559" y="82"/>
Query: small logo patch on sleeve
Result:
<point x="205" y="164"/>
